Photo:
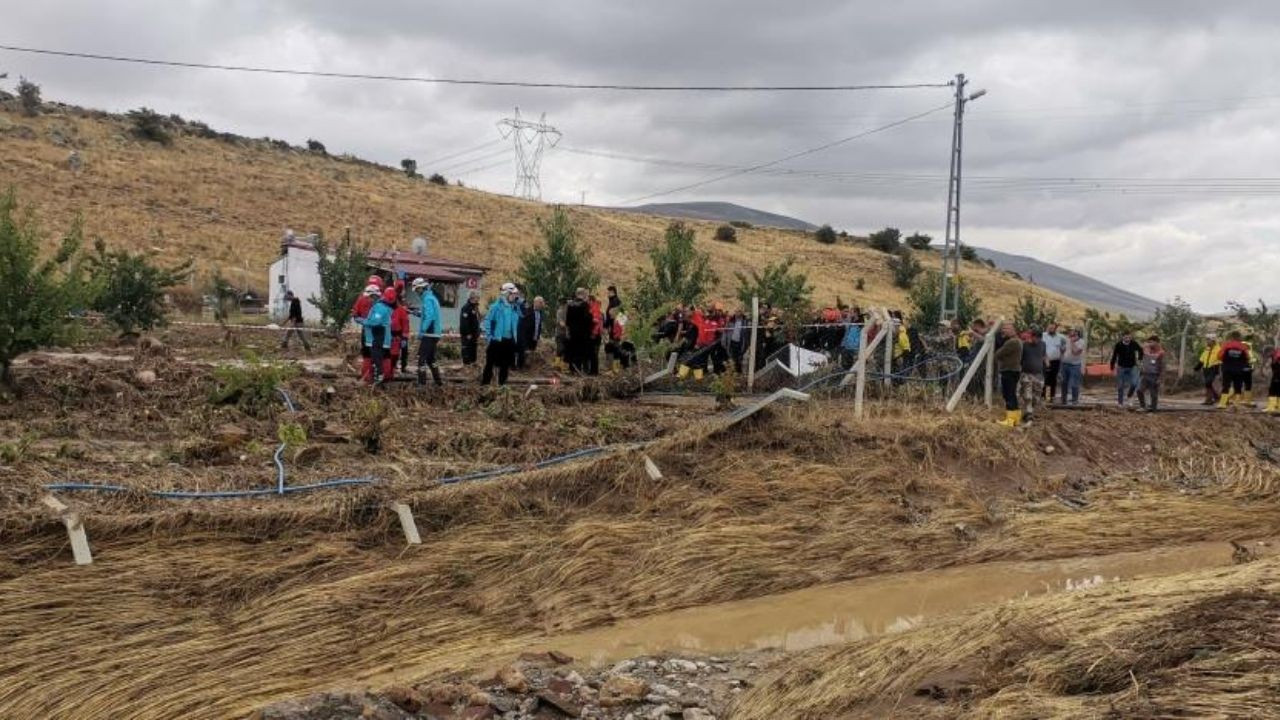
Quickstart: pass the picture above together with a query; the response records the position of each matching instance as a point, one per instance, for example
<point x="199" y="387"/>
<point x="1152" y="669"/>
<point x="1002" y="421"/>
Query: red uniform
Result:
<point x="399" y="329"/>
<point x="359" y="311"/>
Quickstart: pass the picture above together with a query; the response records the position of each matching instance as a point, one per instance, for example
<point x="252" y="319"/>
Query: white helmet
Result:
<point x="419" y="284"/>
<point x="508" y="288"/>
<point x="371" y="290"/>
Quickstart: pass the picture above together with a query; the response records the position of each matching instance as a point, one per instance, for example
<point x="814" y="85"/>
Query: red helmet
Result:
<point x="389" y="295"/>
<point x="375" y="280"/>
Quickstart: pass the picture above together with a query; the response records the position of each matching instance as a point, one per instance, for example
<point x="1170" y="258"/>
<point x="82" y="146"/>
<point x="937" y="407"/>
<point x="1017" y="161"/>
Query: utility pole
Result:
<point x="530" y="139"/>
<point x="950" y="300"/>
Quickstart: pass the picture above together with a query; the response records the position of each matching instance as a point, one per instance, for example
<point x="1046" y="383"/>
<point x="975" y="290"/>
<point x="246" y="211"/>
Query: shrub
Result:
<point x="343" y="272"/>
<point x="968" y="253"/>
<point x="438" y="179"/>
<point x="777" y="285"/>
<point x="1030" y="311"/>
<point x="29" y="97"/>
<point x="150" y="125"/>
<point x="726" y="233"/>
<point x="905" y="268"/>
<point x="926" y="298"/>
<point x="128" y="289"/>
<point x="680" y="274"/>
<point x="224" y="295"/>
<point x="887" y="240"/>
<point x="825" y="235"/>
<point x="918" y="241"/>
<point x="410" y="167"/>
<point x="743" y="224"/>
<point x="36" y="298"/>
<point x="316" y="146"/>
<point x="252" y="386"/>
<point x="859" y="284"/>
<point x="561" y="265"/>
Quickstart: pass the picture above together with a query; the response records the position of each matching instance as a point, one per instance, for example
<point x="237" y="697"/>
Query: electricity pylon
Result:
<point x="951" y="247"/>
<point x="530" y="139"/>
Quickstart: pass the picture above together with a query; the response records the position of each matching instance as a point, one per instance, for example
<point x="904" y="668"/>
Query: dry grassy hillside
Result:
<point x="225" y="204"/>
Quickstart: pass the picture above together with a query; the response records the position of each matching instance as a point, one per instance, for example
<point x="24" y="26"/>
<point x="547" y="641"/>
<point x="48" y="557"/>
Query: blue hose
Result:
<point x="279" y="489"/>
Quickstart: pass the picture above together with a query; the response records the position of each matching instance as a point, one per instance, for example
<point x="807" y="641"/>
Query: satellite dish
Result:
<point x="419" y="245"/>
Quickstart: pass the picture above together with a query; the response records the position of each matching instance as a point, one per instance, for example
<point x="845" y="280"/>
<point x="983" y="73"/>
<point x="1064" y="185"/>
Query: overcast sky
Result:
<point x="1138" y="90"/>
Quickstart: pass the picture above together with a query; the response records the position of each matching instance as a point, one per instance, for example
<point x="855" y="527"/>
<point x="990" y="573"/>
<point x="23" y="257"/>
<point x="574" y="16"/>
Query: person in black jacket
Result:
<point x="469" y="328"/>
<point x="578" y="326"/>
<point x="294" y="322"/>
<point x="530" y="330"/>
<point x="1125" y="358"/>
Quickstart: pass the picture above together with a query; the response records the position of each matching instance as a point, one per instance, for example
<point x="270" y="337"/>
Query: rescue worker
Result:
<point x="469" y="327"/>
<point x="1125" y="358"/>
<point x="1273" y="392"/>
<point x="1009" y="365"/>
<point x="578" y="327"/>
<point x="399" y="335"/>
<point x="401" y="349"/>
<point x="501" y="329"/>
<point x="377" y="334"/>
<point x="1152" y="371"/>
<point x="430" y="329"/>
<point x="597" y="335"/>
<point x="621" y="350"/>
<point x="1209" y="366"/>
<point x="1236" y="361"/>
<point x="359" y="311"/>
<point x="851" y="343"/>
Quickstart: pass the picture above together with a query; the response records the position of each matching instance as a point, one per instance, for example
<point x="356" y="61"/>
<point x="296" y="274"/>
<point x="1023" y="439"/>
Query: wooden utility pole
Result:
<point x="751" y="357"/>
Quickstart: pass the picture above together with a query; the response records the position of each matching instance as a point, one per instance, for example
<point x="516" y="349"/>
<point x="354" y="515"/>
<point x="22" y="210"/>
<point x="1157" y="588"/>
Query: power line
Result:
<point x="793" y="156"/>
<point x="460" y="153"/>
<point x="471" y="81"/>
<point x="468" y="161"/>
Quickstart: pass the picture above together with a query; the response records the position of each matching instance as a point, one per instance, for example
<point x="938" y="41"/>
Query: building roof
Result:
<point x="428" y="266"/>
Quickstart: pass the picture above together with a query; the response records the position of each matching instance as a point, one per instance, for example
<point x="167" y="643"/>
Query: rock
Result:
<point x="145" y="378"/>
<point x="1049" y="449"/>
<point x="575" y="677"/>
<point x="437" y="711"/>
<point x="559" y="657"/>
<point x="622" y="689"/>
<point x="564" y="703"/>
<point x="625" y="666"/>
<point x="697" y="713"/>
<point x="308" y="455"/>
<point x="502" y="704"/>
<point x="561" y="686"/>
<point x="151" y="346"/>
<point x="513" y="679"/>
<point x="661" y="712"/>
<point x="682" y="665"/>
<point x="661" y="689"/>
<point x="444" y="693"/>
<point x="405" y="698"/>
<point x="477" y="713"/>
<point x="478" y="697"/>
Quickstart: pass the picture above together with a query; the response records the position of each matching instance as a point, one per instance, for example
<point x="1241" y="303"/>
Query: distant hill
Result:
<point x="721" y="212"/>
<point x="1093" y="293"/>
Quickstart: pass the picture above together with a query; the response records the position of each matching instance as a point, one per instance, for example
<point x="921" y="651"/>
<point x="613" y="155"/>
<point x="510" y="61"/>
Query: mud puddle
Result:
<point x="875" y="606"/>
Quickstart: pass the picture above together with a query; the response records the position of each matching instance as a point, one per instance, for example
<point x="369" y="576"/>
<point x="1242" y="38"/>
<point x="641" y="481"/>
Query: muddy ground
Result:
<point x="252" y="602"/>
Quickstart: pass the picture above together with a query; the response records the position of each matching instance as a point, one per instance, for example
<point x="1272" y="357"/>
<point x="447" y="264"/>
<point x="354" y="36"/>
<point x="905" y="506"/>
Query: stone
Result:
<point x="622" y="689"/>
<point x="145" y="378"/>
<point x="405" y="698"/>
<point x="564" y="703"/>
<point x="625" y="666"/>
<point x="697" y="713"/>
<point x="478" y="697"/>
<point x="437" y="711"/>
<point x="682" y="665"/>
<point x="559" y="657"/>
<point x="443" y="693"/>
<point x="560" y="685"/>
<point x="308" y="455"/>
<point x="502" y="704"/>
<point x="575" y="677"/>
<point x="477" y="713"/>
<point x="513" y="679"/>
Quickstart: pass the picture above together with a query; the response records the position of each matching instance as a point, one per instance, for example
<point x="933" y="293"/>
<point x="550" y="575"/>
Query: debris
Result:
<point x="405" y="698"/>
<point x="622" y="689"/>
<point x="145" y="378"/>
<point x="513" y="679"/>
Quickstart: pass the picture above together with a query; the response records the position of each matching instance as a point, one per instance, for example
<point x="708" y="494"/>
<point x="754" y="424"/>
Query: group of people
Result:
<point x="383" y="315"/>
<point x="584" y="325"/>
<point x="1234" y="361"/>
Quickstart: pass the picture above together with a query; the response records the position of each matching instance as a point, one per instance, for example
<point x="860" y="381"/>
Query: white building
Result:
<point x="298" y="269"/>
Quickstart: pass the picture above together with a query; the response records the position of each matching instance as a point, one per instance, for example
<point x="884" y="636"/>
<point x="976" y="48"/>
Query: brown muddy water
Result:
<point x="875" y="606"/>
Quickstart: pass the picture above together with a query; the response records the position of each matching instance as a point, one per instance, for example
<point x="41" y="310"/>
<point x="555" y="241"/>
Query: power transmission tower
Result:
<point x="530" y="139"/>
<point x="950" y="301"/>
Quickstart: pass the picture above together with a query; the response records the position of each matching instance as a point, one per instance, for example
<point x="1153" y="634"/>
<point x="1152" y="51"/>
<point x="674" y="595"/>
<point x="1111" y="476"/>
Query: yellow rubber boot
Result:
<point x="1017" y="418"/>
<point x="1010" y="418"/>
<point x="1225" y="400"/>
<point x="1273" y="404"/>
<point x="682" y="372"/>
<point x="697" y="375"/>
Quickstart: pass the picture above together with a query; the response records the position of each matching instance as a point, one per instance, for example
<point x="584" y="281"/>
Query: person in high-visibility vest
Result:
<point x="1209" y="366"/>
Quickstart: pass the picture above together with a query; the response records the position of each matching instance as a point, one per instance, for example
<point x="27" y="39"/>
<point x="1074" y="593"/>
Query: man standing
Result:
<point x="1236" y="363"/>
<point x="293" y="322"/>
<point x="597" y="335"/>
<point x="429" y="332"/>
<point x="1073" y="367"/>
<point x="578" y="324"/>
<point x="1125" y="357"/>
<point x="1009" y="365"/>
<point x="1152" y="370"/>
<point x="530" y="330"/>
<point x="1208" y="366"/>
<point x="1055" y="344"/>
<point x="469" y="327"/>
<point x="1031" y="383"/>
<point x="501" y="329"/>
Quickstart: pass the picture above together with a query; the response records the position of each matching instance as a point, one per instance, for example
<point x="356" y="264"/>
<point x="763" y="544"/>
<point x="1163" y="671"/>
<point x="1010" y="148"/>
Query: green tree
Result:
<point x="726" y="233"/>
<point x="777" y="284"/>
<point x="343" y="274"/>
<point x="926" y="301"/>
<point x="1030" y="311"/>
<point x="887" y="240"/>
<point x="1262" y="321"/>
<point x="29" y="97"/>
<point x="680" y="274"/>
<point x="825" y="235"/>
<point x="150" y="125"/>
<point x="905" y="267"/>
<point x="561" y="265"/>
<point x="128" y="289"/>
<point x="224" y="295"/>
<point x="1175" y="317"/>
<point x="36" y="297"/>
<point x="918" y="241"/>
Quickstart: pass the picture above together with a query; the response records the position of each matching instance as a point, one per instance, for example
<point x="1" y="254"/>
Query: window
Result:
<point x="447" y="293"/>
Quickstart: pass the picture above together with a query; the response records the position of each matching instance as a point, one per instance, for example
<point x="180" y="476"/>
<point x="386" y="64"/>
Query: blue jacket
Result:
<point x="430" y="322"/>
<point x="852" y="339"/>
<point x="502" y="321"/>
<point x="379" y="316"/>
